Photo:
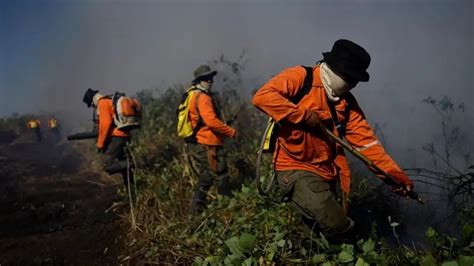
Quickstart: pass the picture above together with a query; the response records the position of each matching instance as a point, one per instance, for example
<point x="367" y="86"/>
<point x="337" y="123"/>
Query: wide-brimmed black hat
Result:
<point x="349" y="59"/>
<point x="203" y="71"/>
<point x="89" y="96"/>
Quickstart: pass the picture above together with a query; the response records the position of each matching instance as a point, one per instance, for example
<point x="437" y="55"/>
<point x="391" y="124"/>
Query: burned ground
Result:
<point x="54" y="210"/>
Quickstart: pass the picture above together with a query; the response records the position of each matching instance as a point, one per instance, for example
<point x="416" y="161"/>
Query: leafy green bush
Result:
<point x="247" y="229"/>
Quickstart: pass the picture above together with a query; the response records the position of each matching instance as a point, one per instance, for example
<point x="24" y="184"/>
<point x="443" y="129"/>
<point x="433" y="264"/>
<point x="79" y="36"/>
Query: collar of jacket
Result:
<point x="199" y="87"/>
<point x="195" y="87"/>
<point x="96" y="99"/>
<point x="317" y="76"/>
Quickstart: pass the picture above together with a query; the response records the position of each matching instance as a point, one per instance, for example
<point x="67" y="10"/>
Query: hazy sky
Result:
<point x="52" y="51"/>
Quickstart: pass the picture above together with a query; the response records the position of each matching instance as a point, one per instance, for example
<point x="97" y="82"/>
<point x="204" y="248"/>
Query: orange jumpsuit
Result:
<point x="300" y="149"/>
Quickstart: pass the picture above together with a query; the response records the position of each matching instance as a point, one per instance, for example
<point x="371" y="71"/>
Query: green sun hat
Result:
<point x="203" y="71"/>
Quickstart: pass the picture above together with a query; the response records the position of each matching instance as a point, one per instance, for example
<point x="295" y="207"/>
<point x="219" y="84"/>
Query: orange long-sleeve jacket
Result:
<point x="212" y="128"/>
<point x="105" y="114"/>
<point x="301" y="149"/>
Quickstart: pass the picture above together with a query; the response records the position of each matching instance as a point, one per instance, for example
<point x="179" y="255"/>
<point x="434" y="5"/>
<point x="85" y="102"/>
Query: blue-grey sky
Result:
<point x="52" y="50"/>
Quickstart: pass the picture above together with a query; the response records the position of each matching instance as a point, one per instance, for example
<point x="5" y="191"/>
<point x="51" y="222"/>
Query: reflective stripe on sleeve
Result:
<point x="366" y="146"/>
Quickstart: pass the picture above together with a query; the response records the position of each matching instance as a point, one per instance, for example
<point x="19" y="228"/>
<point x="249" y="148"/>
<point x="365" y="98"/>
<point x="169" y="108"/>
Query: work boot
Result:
<point x="223" y="186"/>
<point x="198" y="202"/>
<point x="348" y="235"/>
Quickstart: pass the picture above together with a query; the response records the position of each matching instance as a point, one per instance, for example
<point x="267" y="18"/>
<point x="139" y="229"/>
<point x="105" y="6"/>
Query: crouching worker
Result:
<point x="113" y="130"/>
<point x="304" y="101"/>
<point x="203" y="131"/>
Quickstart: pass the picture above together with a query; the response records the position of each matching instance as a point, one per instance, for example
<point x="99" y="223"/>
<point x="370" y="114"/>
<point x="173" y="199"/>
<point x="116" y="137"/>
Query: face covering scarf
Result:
<point x="96" y="99"/>
<point x="334" y="85"/>
<point x="203" y="87"/>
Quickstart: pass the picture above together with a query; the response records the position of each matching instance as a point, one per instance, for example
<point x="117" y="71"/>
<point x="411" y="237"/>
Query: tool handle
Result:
<point x="388" y="179"/>
<point x="84" y="135"/>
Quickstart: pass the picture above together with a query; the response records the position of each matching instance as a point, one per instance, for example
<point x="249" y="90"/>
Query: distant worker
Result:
<point x="307" y="161"/>
<point x="205" y="141"/>
<point x="35" y="126"/>
<point x="115" y="118"/>
<point x="53" y="127"/>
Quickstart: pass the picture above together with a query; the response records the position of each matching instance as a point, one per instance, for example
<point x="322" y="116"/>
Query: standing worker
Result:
<point x="308" y="163"/>
<point x="205" y="146"/>
<point x="35" y="126"/>
<point x="53" y="127"/>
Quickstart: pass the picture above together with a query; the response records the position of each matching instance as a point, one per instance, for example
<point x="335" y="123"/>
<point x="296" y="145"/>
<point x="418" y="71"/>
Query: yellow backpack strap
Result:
<point x="196" y="106"/>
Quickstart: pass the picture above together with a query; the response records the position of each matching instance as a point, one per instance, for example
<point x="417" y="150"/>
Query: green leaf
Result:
<point x="466" y="260"/>
<point x="428" y="260"/>
<point x="318" y="259"/>
<point x="348" y="248"/>
<point x="270" y="252"/>
<point x="198" y="261"/>
<point x="450" y="263"/>
<point x="278" y="236"/>
<point x="212" y="260"/>
<point x="234" y="247"/>
<point x="430" y="232"/>
<point x="250" y="262"/>
<point x="229" y="260"/>
<point x="368" y="246"/>
<point x="281" y="243"/>
<point x="467" y="232"/>
<point x="372" y="257"/>
<point x="345" y="257"/>
<point x="361" y="262"/>
<point x="247" y="241"/>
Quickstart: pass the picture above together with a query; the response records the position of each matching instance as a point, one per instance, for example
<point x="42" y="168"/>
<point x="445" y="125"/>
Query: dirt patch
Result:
<point x="6" y="137"/>
<point x="54" y="211"/>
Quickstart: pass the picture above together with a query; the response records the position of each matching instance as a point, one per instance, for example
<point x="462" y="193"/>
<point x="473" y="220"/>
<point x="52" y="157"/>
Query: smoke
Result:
<point x="52" y="51"/>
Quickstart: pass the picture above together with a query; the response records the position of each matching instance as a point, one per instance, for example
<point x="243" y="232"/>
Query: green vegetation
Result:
<point x="249" y="229"/>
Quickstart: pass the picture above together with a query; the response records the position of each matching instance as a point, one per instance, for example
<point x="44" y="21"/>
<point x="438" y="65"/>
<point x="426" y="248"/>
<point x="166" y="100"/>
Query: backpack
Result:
<point x="33" y="124"/>
<point x="271" y="132"/>
<point x="127" y="112"/>
<point x="53" y="123"/>
<point x="184" y="127"/>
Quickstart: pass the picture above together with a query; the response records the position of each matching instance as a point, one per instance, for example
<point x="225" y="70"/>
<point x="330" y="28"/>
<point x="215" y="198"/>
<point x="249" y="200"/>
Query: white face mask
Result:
<point x="96" y="98"/>
<point x="204" y="85"/>
<point x="334" y="85"/>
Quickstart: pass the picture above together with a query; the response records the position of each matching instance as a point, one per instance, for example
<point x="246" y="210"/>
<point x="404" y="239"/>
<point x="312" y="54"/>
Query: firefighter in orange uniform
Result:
<point x="35" y="126"/>
<point x="111" y="141"/>
<point x="308" y="162"/>
<point x="53" y="127"/>
<point x="205" y="148"/>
